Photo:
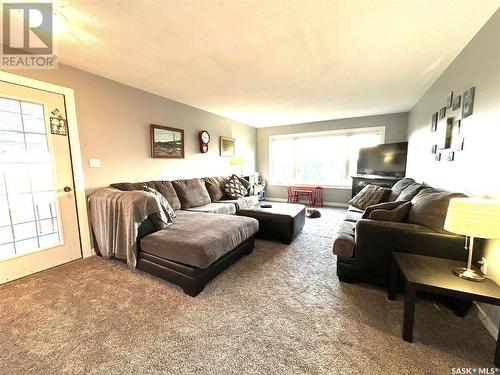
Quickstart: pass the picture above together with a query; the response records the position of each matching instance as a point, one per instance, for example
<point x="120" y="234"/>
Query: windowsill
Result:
<point x="338" y="187"/>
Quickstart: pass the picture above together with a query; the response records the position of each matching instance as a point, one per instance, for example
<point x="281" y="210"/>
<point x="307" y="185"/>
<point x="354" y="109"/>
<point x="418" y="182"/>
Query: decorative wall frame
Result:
<point x="468" y="102"/>
<point x="166" y="142"/>
<point x="449" y="100"/>
<point x="457" y="102"/>
<point x="226" y="146"/>
<point x="442" y="113"/>
<point x="444" y="133"/>
<point x="434" y="122"/>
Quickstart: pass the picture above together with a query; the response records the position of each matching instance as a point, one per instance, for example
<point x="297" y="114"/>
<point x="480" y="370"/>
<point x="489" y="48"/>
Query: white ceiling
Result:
<point x="277" y="62"/>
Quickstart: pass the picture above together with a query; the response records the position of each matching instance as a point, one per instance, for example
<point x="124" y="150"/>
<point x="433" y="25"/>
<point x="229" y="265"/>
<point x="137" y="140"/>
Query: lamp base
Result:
<point x="469" y="274"/>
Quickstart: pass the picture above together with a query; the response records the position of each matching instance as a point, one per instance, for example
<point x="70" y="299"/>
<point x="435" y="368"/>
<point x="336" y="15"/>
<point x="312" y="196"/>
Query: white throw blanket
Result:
<point x="115" y="216"/>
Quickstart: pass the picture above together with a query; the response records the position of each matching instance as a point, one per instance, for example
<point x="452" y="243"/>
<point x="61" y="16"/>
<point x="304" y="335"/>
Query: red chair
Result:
<point x="318" y="196"/>
<point x="292" y="197"/>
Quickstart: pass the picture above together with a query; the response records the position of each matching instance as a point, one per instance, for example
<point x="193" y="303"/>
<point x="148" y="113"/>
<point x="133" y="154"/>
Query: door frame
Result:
<point x="74" y="146"/>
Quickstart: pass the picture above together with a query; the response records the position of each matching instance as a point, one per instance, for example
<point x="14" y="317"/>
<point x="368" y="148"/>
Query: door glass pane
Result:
<point x="28" y="206"/>
<point x="7" y="251"/>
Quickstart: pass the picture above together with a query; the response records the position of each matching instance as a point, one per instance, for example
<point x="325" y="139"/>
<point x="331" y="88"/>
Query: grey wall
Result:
<point x="395" y="131"/>
<point x="113" y="121"/>
<point x="476" y="169"/>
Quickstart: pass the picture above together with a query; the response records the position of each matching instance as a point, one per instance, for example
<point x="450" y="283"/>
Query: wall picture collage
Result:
<point x="447" y="123"/>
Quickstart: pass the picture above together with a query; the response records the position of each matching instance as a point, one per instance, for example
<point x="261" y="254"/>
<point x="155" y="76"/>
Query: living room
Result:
<point x="174" y="188"/>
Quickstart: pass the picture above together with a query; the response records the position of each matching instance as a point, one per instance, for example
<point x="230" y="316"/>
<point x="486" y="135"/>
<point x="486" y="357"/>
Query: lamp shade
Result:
<point x="473" y="217"/>
<point x="237" y="160"/>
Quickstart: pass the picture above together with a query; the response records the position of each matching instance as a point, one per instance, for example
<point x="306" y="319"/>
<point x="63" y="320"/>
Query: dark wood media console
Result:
<point x="360" y="181"/>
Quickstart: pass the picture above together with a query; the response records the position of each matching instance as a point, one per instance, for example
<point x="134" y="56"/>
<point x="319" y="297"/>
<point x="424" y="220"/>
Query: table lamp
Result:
<point x="473" y="217"/>
<point x="238" y="161"/>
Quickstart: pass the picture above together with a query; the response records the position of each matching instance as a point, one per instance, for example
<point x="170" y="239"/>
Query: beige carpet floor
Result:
<point x="280" y="310"/>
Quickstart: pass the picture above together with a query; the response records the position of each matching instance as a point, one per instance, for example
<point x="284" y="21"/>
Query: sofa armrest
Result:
<point x="376" y="240"/>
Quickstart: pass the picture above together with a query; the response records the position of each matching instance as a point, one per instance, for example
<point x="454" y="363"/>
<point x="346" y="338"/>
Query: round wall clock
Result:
<point x="204" y="139"/>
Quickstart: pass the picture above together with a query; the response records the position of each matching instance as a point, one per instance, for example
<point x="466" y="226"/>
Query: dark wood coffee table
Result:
<point x="435" y="275"/>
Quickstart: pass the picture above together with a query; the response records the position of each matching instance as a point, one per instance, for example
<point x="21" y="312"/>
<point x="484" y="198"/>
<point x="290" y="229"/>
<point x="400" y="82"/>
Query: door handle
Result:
<point x="67" y="189"/>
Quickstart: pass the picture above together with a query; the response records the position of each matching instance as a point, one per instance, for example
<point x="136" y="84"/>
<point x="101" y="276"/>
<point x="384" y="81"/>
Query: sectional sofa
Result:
<point x="204" y="238"/>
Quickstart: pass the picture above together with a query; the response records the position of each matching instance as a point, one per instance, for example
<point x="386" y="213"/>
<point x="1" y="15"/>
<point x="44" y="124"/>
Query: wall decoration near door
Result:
<point x="58" y="123"/>
<point x="166" y="142"/>
<point x="468" y="103"/>
<point x="226" y="146"/>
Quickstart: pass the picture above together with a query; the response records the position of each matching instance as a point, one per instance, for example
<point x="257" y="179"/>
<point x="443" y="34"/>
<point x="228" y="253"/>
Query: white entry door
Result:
<point x="38" y="217"/>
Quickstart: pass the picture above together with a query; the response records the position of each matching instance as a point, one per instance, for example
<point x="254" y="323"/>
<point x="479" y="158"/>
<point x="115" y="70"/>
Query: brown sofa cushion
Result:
<point x="166" y="189"/>
<point x="398" y="187"/>
<point x="429" y="208"/>
<point x="381" y="206"/>
<point x="197" y="239"/>
<point x="191" y="192"/>
<point x="344" y="239"/>
<point x="370" y="195"/>
<point x="397" y="214"/>
<point x="409" y="192"/>
<point x="215" y="186"/>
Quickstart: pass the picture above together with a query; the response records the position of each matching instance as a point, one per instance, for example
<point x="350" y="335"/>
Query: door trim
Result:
<point x="74" y="145"/>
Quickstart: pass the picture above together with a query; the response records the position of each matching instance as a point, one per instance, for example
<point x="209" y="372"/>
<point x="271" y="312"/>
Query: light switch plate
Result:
<point x="95" y="163"/>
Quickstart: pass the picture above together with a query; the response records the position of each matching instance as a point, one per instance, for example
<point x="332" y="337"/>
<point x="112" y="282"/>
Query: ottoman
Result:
<point x="283" y="221"/>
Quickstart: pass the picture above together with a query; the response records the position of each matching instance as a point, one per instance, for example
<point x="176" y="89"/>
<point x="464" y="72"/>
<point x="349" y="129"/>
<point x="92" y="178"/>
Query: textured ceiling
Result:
<point x="273" y="63"/>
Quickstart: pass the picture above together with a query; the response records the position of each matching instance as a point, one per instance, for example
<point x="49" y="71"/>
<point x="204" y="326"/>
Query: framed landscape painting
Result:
<point x="167" y="142"/>
<point x="226" y="146"/>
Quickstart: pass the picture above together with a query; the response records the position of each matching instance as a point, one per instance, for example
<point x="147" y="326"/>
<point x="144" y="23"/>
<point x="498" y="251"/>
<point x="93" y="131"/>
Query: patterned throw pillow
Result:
<point x="234" y="189"/>
<point x="167" y="214"/>
<point x="371" y="194"/>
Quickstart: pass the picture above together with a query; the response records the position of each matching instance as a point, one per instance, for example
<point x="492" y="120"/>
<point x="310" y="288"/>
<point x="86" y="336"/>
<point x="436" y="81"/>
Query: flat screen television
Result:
<point x="388" y="159"/>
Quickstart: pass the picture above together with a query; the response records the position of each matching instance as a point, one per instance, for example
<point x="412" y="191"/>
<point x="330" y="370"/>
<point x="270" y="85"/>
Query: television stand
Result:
<point x="360" y="181"/>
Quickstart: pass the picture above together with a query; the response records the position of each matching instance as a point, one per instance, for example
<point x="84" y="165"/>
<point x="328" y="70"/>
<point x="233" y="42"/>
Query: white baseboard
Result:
<point x="328" y="204"/>
<point x="486" y="320"/>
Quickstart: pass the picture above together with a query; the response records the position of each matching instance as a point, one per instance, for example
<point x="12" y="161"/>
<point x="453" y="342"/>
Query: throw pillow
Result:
<point x="215" y="187"/>
<point x="381" y="206"/>
<point x="397" y="214"/>
<point x="191" y="192"/>
<point x="429" y="208"/>
<point x="409" y="192"/>
<point x="234" y="188"/>
<point x="166" y="215"/>
<point x="398" y="188"/>
<point x="244" y="182"/>
<point x="370" y="194"/>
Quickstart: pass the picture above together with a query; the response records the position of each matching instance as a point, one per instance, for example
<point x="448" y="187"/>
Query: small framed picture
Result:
<point x="166" y="142"/>
<point x="437" y="157"/>
<point x="457" y="140"/>
<point x="456" y="102"/>
<point x="434" y="122"/>
<point x="442" y="113"/>
<point x="444" y="133"/>
<point x="226" y="146"/>
<point x="468" y="102"/>
<point x="450" y="156"/>
<point x="449" y="100"/>
<point x="434" y="149"/>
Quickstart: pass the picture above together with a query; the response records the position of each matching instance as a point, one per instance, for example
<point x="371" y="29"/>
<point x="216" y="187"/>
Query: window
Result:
<point x="323" y="158"/>
<point x="28" y="211"/>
